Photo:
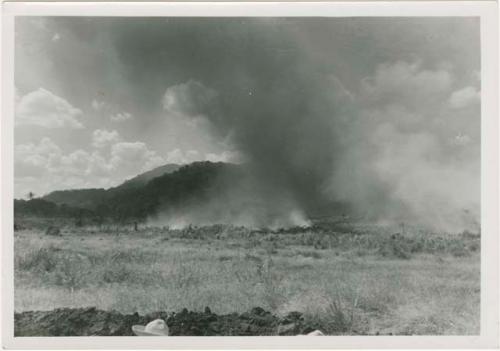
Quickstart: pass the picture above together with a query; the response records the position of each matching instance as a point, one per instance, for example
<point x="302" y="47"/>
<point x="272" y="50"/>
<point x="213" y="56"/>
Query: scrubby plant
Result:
<point x="271" y="282"/>
<point x="38" y="260"/>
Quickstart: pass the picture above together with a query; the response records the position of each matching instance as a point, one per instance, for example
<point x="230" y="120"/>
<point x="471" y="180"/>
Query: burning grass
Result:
<point x="365" y="280"/>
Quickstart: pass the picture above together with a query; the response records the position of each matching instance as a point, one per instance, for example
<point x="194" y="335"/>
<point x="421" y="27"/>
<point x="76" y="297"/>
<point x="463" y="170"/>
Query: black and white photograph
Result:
<point x="247" y="176"/>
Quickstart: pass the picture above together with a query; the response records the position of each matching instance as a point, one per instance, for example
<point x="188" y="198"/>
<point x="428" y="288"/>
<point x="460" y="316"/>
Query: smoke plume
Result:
<point x="403" y="145"/>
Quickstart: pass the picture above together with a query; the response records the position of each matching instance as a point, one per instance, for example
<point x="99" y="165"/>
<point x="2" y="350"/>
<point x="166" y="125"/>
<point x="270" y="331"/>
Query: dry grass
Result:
<point x="347" y="284"/>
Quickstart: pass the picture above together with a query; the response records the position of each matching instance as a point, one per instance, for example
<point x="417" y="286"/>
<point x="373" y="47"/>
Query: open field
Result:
<point x="348" y="278"/>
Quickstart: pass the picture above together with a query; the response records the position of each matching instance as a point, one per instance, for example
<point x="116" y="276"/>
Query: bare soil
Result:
<point x="94" y="322"/>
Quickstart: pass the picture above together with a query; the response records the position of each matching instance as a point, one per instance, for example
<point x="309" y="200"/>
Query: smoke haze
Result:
<point x="381" y="115"/>
<point x="395" y="150"/>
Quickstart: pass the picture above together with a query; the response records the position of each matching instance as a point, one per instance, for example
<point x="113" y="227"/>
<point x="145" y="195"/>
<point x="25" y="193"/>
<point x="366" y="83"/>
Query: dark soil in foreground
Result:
<point x="90" y="321"/>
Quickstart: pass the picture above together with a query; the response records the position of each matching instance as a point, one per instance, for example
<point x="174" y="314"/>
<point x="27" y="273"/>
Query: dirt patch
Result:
<point x="90" y="321"/>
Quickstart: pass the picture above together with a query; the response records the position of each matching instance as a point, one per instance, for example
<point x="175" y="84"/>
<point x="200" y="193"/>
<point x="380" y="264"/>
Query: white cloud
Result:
<point x="34" y="159"/>
<point x="44" y="109"/>
<point x="47" y="159"/>
<point x="43" y="167"/>
<point x="464" y="97"/>
<point x="76" y="163"/>
<point x="407" y="83"/>
<point x="190" y="99"/>
<point x="412" y="99"/>
<point x="180" y="157"/>
<point x="102" y="138"/>
<point x="100" y="167"/>
<point x="121" y="116"/>
<point x="103" y="106"/>
<point x="133" y="157"/>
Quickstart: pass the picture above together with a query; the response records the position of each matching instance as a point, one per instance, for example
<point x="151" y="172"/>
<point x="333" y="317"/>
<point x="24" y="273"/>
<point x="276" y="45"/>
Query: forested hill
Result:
<point x="144" y="178"/>
<point x="89" y="198"/>
<point x="80" y="198"/>
<point x="137" y="198"/>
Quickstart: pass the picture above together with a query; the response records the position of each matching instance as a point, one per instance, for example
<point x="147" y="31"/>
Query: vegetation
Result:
<point x="134" y="200"/>
<point x="79" y="198"/>
<point x="347" y="278"/>
<point x="91" y="247"/>
<point x="46" y="209"/>
<point x="144" y="178"/>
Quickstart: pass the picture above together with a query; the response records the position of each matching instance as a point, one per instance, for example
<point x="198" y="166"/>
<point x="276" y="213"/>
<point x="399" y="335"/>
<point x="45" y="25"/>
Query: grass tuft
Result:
<point x="364" y="281"/>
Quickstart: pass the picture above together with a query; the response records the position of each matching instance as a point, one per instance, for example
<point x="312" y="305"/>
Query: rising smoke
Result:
<point x="393" y="149"/>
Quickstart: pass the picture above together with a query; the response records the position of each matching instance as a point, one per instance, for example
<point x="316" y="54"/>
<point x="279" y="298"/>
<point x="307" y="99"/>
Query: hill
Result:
<point x="139" y="197"/>
<point x="194" y="183"/>
<point x="144" y="178"/>
<point x="89" y="198"/>
<point x="81" y="198"/>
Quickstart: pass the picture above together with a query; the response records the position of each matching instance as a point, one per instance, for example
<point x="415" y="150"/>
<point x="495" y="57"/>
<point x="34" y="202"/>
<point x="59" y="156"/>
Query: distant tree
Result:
<point x="31" y="195"/>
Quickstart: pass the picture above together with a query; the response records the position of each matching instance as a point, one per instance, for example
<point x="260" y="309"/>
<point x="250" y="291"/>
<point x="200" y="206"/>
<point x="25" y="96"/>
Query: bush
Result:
<point x="335" y="314"/>
<point x="41" y="260"/>
<point x="312" y="254"/>
<point x="71" y="271"/>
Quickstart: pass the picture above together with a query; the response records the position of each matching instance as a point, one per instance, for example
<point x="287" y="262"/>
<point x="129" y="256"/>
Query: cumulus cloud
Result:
<point x="102" y="138"/>
<point x="129" y="157"/>
<point x="45" y="109"/>
<point x="191" y="99"/>
<point x="180" y="157"/>
<point x="464" y="97"/>
<point x="43" y="167"/>
<point x="407" y="83"/>
<point x="108" y="108"/>
<point x="34" y="159"/>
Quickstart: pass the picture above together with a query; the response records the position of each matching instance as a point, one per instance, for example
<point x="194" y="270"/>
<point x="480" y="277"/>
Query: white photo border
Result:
<point x="488" y="13"/>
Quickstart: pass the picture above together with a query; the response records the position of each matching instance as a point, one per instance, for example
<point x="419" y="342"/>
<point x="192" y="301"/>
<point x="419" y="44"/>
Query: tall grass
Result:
<point x="366" y="283"/>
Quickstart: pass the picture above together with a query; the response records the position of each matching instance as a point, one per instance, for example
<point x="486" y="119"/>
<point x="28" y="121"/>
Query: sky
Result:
<point x="359" y="106"/>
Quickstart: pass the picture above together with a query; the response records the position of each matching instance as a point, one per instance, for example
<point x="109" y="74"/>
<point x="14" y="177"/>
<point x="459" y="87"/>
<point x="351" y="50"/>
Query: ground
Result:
<point x="343" y="277"/>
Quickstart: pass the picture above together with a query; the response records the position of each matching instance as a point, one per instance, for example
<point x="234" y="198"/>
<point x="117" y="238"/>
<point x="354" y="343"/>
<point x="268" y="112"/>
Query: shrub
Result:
<point x="333" y="314"/>
<point x="71" y="271"/>
<point x="39" y="260"/>
<point x="312" y="254"/>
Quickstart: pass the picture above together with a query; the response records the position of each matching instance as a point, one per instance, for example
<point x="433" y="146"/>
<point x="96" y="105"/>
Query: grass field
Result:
<point x="349" y="278"/>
